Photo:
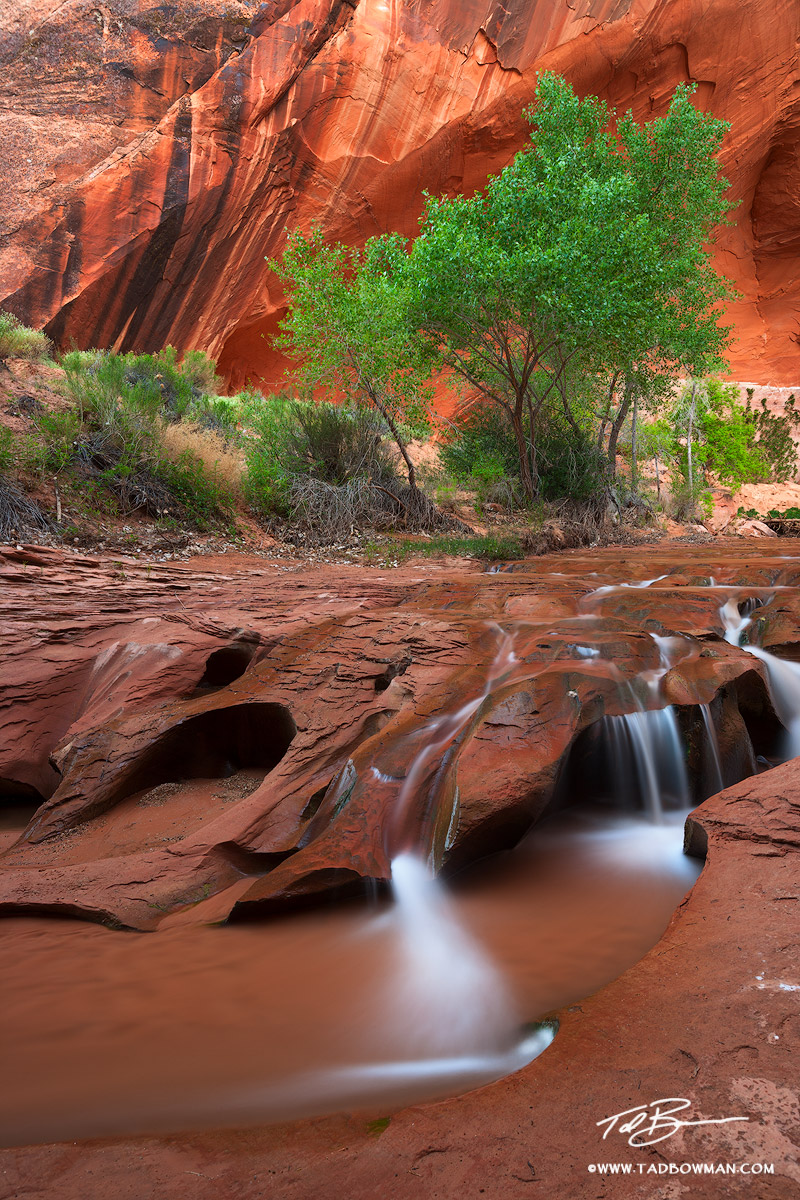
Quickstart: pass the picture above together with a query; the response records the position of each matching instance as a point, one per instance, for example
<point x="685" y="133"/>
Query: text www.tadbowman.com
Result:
<point x="682" y="1168"/>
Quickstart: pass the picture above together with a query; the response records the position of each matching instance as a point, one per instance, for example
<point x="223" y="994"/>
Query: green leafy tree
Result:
<point x="588" y="255"/>
<point x="348" y="328"/>
<point x="738" y="444"/>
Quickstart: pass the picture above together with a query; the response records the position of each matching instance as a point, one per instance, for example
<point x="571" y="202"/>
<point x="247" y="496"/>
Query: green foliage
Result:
<point x="776" y="438"/>
<point x="350" y="329"/>
<point x="587" y="256"/>
<point x="200" y="371"/>
<point x="8" y="450"/>
<point x="686" y="499"/>
<point x="201" y="493"/>
<point x="153" y="384"/>
<point x="268" y="478"/>
<point x="480" y="450"/>
<point x="736" y="444"/>
<point x="480" y="445"/>
<point x="116" y="433"/>
<point x="57" y="442"/>
<point x="19" y="341"/>
<point x="291" y="439"/>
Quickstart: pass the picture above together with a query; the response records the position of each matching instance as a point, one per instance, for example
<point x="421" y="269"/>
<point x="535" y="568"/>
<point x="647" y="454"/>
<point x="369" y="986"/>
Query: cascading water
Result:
<point x="409" y="827"/>
<point x="450" y="999"/>
<point x="646" y="755"/>
<point x="449" y="995"/>
<point x="645" y="747"/>
<point x="712" y="741"/>
<point x="783" y="676"/>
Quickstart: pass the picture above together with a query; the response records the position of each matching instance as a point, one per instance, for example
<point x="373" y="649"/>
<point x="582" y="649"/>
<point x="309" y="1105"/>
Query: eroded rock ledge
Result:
<point x="710" y="1014"/>
<point x="207" y="744"/>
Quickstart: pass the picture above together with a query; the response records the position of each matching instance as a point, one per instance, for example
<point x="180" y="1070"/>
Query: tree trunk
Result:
<point x="634" y="463"/>
<point x="522" y="453"/>
<point x="401" y="446"/>
<point x="532" y="448"/>
<point x="616" y="428"/>
<point x="601" y="433"/>
<point x="689" y="440"/>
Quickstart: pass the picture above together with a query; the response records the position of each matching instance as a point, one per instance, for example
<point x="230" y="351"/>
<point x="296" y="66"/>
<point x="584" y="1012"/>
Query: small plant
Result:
<point x="18" y="515"/>
<point x="19" y="341"/>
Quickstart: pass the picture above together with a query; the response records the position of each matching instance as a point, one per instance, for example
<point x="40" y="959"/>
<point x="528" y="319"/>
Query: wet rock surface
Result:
<point x="244" y="741"/>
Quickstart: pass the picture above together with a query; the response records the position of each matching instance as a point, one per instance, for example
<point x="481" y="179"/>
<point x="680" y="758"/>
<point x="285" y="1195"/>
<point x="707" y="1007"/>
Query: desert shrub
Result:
<point x="337" y="444"/>
<point x="201" y="372"/>
<point x="685" y="502"/>
<point x="155" y="384"/>
<point x="8" y="450"/>
<point x="201" y="493"/>
<point x="329" y="512"/>
<point x="19" y="515"/>
<point x="218" y="413"/>
<point x="479" y="446"/>
<point x="131" y="436"/>
<point x="292" y="442"/>
<point x="205" y="464"/>
<point x="210" y="448"/>
<point x="19" y="341"/>
<point x="56" y="440"/>
<point x="267" y="420"/>
<point x="569" y="464"/>
<point x="480" y="450"/>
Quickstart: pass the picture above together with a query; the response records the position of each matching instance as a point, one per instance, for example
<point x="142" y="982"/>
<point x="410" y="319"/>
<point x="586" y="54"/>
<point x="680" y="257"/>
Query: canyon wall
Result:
<point x="153" y="157"/>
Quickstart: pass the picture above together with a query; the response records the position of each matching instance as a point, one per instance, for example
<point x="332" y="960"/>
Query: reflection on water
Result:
<point x="120" y="1032"/>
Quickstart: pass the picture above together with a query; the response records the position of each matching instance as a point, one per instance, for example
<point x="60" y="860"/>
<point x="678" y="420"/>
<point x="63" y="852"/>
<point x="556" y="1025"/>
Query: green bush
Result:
<point x="291" y="440"/>
<point x="8" y="450"/>
<point x="124" y="405"/>
<point x="480" y="450"/>
<point x="58" y="440"/>
<point x="199" y="492"/>
<point x="19" y="341"/>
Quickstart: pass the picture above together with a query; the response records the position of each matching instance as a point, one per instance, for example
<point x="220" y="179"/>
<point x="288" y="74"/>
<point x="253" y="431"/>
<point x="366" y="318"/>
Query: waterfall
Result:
<point x="712" y="742"/>
<point x="448" y="995"/>
<point x="647" y="758"/>
<point x="408" y="826"/>
<point x="783" y="676"/>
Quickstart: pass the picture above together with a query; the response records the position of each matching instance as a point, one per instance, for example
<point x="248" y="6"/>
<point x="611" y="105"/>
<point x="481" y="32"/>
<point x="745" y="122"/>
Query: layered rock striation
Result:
<point x="156" y="155"/>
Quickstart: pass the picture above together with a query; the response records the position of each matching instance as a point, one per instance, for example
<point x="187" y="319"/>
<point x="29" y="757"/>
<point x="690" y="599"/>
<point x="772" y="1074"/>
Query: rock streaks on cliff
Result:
<point x="212" y="127"/>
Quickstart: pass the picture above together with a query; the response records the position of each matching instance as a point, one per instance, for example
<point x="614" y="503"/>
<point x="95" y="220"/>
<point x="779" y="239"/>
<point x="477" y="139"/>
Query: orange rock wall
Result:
<point x="182" y="141"/>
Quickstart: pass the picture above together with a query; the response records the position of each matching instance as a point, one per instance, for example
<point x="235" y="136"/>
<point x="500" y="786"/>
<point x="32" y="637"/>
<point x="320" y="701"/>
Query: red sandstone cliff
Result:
<point x="154" y="155"/>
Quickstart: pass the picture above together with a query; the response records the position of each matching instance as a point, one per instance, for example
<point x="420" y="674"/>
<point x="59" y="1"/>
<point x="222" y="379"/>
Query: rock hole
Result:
<point x="313" y="805"/>
<point x="225" y="665"/>
<point x="19" y="803"/>
<point x="392" y="671"/>
<point x="214" y="745"/>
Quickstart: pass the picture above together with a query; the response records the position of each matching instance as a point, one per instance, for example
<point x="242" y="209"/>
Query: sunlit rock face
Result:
<point x="156" y="155"/>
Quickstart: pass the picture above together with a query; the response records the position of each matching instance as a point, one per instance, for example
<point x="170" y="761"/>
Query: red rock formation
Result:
<point x="343" y="111"/>
<point x="709" y="1014"/>
<point x="243" y="738"/>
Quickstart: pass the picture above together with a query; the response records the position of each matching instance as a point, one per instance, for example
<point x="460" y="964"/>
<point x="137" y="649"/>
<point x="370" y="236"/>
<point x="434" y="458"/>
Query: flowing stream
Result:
<point x="438" y="990"/>
<point x="784" y="677"/>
